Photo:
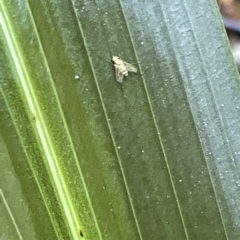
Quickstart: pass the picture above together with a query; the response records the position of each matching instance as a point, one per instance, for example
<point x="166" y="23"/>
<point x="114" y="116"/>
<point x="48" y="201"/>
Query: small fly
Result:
<point x="122" y="68"/>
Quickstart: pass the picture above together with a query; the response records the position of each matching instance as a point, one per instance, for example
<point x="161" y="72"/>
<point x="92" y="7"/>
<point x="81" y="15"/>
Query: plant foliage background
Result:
<point x="83" y="157"/>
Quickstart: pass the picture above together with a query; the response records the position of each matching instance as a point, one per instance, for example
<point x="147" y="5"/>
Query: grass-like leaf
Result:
<point x="85" y="157"/>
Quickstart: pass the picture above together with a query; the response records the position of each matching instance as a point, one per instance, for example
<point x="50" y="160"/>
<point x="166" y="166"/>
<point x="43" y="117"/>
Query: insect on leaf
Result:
<point x="122" y="68"/>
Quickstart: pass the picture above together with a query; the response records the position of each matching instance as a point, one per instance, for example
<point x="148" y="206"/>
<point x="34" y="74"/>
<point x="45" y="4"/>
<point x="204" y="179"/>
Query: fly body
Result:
<point x="122" y="68"/>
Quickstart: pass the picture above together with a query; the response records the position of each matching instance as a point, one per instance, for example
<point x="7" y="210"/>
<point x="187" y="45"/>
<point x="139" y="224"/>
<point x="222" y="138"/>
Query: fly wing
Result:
<point x="119" y="75"/>
<point x="130" y="67"/>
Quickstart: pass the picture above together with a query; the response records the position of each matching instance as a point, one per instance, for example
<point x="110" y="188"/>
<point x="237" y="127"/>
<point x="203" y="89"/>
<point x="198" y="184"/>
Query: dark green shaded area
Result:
<point x="23" y="212"/>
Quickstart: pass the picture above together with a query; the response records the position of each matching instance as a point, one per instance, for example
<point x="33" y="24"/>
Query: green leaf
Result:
<point x="85" y="157"/>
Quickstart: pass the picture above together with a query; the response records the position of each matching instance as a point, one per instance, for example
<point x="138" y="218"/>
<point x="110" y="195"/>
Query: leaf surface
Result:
<point x="88" y="158"/>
